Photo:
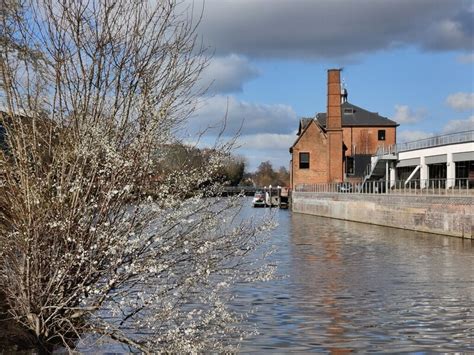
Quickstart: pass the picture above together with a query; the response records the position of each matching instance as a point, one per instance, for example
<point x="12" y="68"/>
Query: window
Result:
<point x="349" y="111"/>
<point x="381" y="134"/>
<point x="304" y="160"/>
<point x="350" y="165"/>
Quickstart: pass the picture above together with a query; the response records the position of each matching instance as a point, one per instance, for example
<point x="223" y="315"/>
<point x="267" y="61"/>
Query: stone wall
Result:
<point x="447" y="215"/>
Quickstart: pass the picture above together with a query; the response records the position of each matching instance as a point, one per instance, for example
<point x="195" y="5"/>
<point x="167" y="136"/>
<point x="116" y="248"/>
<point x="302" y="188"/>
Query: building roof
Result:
<point x="353" y="115"/>
<point x="304" y="122"/>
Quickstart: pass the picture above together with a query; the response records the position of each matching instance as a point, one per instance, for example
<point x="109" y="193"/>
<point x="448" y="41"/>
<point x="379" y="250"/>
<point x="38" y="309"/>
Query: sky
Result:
<point x="410" y="60"/>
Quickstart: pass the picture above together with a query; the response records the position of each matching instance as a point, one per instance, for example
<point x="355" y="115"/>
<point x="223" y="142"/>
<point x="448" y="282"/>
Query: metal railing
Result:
<point x="394" y="149"/>
<point x="453" y="138"/>
<point x="386" y="150"/>
<point x="450" y="187"/>
<point x="459" y="137"/>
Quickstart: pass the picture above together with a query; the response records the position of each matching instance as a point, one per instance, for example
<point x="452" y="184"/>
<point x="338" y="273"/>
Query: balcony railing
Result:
<point x="453" y="138"/>
<point x="460" y="137"/>
<point x="462" y="186"/>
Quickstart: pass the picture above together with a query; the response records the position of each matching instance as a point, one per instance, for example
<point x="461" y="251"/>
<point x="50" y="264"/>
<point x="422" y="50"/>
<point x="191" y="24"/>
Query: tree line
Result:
<point x="233" y="171"/>
<point x="265" y="175"/>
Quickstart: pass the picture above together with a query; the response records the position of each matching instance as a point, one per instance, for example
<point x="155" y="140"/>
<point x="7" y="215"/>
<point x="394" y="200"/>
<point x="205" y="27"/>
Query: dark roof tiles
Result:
<point x="304" y="122"/>
<point x="353" y="115"/>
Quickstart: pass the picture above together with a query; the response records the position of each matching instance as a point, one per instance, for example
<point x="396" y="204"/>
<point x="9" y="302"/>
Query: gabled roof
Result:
<point x="304" y="122"/>
<point x="353" y="115"/>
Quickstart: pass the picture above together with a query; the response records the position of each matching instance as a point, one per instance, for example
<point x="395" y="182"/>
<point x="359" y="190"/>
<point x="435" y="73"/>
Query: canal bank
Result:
<point x="446" y="215"/>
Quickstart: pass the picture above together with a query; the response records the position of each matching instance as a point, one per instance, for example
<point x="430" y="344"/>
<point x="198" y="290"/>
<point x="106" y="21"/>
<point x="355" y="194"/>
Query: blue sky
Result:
<point x="411" y="61"/>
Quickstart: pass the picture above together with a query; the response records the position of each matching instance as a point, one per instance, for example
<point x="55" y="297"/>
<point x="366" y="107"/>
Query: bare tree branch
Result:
<point x="96" y="236"/>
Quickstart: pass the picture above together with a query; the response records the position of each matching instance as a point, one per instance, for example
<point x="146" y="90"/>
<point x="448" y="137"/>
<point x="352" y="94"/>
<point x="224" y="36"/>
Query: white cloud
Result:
<point x="410" y="136"/>
<point x="404" y="114"/>
<point x="327" y="28"/>
<point x="466" y="58"/>
<point x="461" y="101"/>
<point x="243" y="117"/>
<point x="454" y="126"/>
<point x="227" y="74"/>
<point x="266" y="132"/>
<point x="258" y="148"/>
<point x="267" y="141"/>
<point x="449" y="34"/>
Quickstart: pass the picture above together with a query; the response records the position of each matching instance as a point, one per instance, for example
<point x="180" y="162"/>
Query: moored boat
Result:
<point x="258" y="199"/>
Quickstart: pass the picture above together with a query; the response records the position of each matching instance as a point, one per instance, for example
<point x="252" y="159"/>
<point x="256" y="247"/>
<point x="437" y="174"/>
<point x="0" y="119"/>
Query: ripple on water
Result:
<point x="356" y="287"/>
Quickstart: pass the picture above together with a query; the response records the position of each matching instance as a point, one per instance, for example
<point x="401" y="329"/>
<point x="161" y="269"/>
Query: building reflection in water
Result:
<point x="324" y="282"/>
<point x="366" y="286"/>
<point x="347" y="286"/>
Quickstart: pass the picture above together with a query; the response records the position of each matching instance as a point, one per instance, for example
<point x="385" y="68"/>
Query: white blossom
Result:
<point x="96" y="236"/>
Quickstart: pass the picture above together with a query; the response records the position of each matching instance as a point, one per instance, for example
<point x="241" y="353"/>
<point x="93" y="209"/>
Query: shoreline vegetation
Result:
<point x="13" y="338"/>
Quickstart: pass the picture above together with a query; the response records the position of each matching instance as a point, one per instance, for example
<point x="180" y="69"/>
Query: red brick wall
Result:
<point x="334" y="100"/>
<point x="315" y="143"/>
<point x="366" y="140"/>
<point x="326" y="155"/>
<point x="333" y="125"/>
<point x="336" y="166"/>
<point x="318" y="145"/>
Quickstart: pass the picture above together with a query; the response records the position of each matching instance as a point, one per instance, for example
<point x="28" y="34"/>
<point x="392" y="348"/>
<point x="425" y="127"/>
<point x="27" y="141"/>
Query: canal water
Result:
<point x="347" y="286"/>
<point x="344" y="286"/>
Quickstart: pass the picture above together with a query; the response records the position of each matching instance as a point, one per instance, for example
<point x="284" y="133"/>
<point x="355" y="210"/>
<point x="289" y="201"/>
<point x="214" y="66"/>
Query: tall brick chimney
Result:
<point x="334" y="126"/>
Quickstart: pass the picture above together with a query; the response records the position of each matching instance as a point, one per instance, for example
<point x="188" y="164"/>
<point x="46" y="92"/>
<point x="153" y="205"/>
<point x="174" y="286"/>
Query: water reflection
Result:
<point x="356" y="287"/>
<point x="347" y="287"/>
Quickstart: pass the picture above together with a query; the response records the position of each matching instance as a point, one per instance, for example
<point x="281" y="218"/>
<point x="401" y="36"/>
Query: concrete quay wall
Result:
<point x="447" y="215"/>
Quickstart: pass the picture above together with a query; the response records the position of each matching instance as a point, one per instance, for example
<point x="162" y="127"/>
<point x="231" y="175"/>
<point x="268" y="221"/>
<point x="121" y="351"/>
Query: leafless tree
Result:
<point x="93" y="91"/>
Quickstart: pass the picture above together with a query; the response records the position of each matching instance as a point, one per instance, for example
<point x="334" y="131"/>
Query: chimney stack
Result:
<point x="333" y="120"/>
<point x="334" y="126"/>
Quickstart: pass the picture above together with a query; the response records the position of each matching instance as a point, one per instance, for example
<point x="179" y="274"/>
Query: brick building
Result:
<point x="336" y="146"/>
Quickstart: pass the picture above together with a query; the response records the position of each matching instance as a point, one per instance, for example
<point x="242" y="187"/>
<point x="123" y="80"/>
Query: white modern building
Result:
<point x="447" y="160"/>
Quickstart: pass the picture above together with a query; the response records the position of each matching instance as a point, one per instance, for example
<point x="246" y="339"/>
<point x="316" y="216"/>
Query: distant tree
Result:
<point x="283" y="177"/>
<point x="181" y="157"/>
<point x="265" y="175"/>
<point x="233" y="170"/>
